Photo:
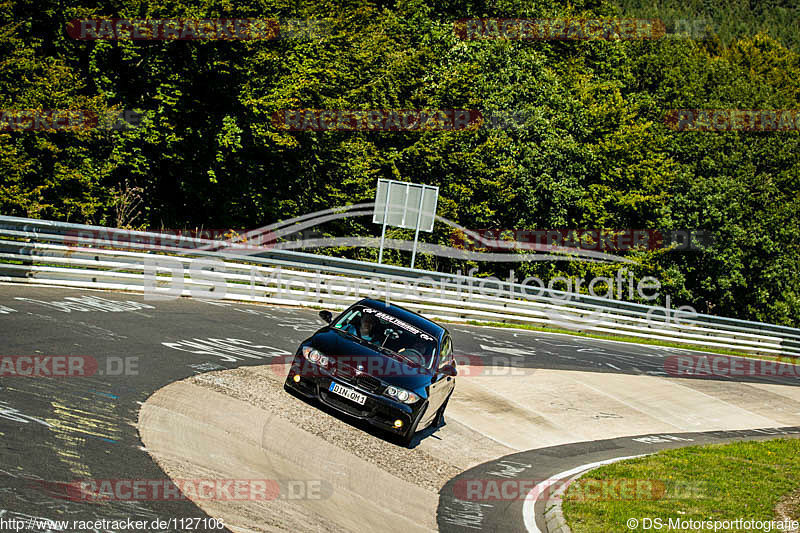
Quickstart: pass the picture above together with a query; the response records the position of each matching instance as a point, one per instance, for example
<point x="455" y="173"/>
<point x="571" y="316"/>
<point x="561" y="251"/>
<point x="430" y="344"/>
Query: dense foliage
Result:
<point x="591" y="152"/>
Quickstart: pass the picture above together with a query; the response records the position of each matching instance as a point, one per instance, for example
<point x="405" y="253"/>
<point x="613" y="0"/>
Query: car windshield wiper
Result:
<point x="343" y="332"/>
<point x="401" y="356"/>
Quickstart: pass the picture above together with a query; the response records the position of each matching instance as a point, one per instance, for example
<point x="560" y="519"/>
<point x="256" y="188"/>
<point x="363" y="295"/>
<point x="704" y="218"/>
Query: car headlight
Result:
<point x="401" y="395"/>
<point x="315" y="356"/>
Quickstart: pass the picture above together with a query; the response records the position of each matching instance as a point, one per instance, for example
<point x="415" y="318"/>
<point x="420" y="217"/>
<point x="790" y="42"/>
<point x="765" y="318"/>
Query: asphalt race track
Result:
<point x="456" y="514"/>
<point x="62" y="429"/>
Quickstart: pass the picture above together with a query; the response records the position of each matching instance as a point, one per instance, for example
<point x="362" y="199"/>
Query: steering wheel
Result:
<point x="415" y="355"/>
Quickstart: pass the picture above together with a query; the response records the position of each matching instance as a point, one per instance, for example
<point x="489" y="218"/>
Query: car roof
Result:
<point x="406" y="315"/>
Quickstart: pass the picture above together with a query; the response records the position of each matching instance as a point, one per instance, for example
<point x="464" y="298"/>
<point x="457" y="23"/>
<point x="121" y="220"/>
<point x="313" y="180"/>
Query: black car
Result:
<point x="381" y="363"/>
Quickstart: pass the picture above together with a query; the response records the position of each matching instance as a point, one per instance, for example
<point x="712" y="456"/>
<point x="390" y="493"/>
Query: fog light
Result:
<point x="398" y="423"/>
<point x="296" y="378"/>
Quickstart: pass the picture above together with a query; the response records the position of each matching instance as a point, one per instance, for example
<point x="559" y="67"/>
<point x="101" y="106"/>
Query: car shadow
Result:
<point x="365" y="426"/>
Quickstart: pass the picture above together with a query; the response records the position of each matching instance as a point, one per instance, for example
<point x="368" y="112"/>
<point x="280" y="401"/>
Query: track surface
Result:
<point x="455" y="514"/>
<point x="66" y="429"/>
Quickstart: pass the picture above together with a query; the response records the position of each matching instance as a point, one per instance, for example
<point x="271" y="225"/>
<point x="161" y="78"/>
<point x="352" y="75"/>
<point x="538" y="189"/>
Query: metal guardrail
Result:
<point x="51" y="252"/>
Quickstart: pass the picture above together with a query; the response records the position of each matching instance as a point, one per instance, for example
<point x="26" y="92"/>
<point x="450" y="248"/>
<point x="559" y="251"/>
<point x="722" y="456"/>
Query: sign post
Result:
<point x="405" y="205"/>
<point x="385" y="219"/>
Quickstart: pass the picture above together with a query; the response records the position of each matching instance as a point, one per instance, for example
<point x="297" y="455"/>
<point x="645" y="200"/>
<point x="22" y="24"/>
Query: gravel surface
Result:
<point x="262" y="386"/>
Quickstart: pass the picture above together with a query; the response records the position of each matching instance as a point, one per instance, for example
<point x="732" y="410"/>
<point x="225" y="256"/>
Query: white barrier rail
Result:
<point x="43" y="252"/>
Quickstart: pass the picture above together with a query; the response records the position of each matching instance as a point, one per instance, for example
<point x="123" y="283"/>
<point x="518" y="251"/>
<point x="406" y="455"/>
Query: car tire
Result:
<point x="438" y="420"/>
<point x="406" y="438"/>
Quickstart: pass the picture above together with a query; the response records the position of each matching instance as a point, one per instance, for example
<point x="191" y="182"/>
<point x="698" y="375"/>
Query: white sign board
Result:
<point x="405" y="204"/>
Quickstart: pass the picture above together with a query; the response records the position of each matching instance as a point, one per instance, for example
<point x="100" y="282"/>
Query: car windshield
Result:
<point x="385" y="330"/>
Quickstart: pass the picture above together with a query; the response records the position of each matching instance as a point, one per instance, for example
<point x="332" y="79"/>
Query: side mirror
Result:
<point x="392" y="334"/>
<point x="449" y="370"/>
<point x="327" y="316"/>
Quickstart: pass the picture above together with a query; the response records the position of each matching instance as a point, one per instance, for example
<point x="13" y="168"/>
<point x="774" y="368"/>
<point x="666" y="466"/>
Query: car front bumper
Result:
<point x="378" y="410"/>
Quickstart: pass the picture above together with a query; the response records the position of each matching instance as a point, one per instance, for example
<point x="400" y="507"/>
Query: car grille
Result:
<point x="368" y="383"/>
<point x="345" y="372"/>
<point x="345" y="405"/>
<point x="350" y="375"/>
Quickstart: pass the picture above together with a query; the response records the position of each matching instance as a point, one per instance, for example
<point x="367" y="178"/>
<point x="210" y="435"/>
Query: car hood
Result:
<point x="391" y="369"/>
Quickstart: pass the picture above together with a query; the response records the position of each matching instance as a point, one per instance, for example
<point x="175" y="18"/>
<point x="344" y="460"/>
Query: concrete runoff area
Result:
<point x="487" y="418"/>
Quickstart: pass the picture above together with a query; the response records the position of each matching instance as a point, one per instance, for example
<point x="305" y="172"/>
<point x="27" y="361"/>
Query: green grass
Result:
<point x="637" y="340"/>
<point x="717" y="482"/>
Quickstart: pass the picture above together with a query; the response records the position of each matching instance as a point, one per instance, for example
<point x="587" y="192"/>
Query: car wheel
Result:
<point x="438" y="420"/>
<point x="406" y="438"/>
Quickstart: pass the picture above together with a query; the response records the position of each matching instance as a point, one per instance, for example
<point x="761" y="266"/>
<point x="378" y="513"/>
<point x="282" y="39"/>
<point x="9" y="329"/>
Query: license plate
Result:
<point x="347" y="392"/>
